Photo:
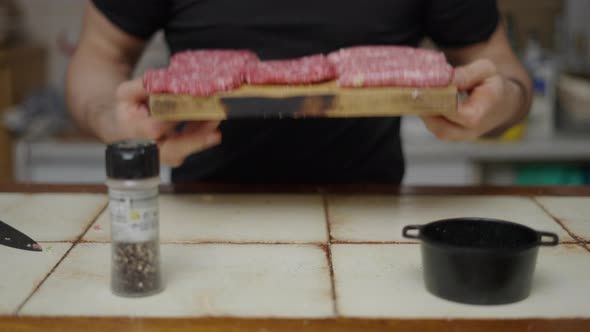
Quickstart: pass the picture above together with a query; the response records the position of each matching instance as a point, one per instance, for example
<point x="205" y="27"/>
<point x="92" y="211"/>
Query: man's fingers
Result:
<point x="154" y="129"/>
<point x="475" y="110"/>
<point x="133" y="116"/>
<point x="132" y="91"/>
<point x="203" y="127"/>
<point x="473" y="74"/>
<point x="175" y="150"/>
<point x="195" y="137"/>
<point x="136" y="122"/>
<point x="446" y="130"/>
<point x="471" y="113"/>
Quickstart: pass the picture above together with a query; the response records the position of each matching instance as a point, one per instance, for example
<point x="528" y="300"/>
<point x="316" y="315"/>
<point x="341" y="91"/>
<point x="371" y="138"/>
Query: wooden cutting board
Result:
<point x="319" y="100"/>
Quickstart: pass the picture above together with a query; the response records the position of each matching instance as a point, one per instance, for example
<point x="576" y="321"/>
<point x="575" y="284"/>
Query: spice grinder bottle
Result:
<point x="132" y="169"/>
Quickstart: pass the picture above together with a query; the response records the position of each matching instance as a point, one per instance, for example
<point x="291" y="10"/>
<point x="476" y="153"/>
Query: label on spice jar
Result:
<point x="134" y="216"/>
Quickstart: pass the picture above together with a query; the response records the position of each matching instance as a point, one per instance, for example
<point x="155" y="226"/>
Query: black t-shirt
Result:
<point x="366" y="150"/>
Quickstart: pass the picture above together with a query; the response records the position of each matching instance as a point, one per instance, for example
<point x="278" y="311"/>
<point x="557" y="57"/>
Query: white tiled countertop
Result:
<point x="284" y="256"/>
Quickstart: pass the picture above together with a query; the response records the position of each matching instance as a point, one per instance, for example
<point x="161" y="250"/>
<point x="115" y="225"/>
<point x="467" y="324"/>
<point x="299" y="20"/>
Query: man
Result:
<point x="104" y="101"/>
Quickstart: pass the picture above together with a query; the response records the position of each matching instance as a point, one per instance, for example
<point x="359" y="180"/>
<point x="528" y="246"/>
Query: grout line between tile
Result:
<point x="328" y="249"/>
<point x="244" y="243"/>
<point x="56" y="241"/>
<point x="409" y="243"/>
<point x="584" y="246"/>
<point x="222" y="242"/>
<point x="93" y="220"/>
<point x="374" y="242"/>
<point x="74" y="243"/>
<point x="36" y="288"/>
<point x="557" y="220"/>
<point x="327" y="218"/>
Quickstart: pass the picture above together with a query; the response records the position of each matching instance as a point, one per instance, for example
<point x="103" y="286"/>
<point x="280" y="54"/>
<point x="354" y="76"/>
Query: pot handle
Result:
<point x="408" y="228"/>
<point x="554" y="239"/>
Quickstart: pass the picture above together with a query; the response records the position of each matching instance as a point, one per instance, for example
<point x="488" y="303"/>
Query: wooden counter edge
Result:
<point x="368" y="189"/>
<point x="91" y="324"/>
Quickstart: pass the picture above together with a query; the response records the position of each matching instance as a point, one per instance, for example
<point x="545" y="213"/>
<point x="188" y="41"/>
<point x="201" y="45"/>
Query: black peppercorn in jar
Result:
<point x="133" y="179"/>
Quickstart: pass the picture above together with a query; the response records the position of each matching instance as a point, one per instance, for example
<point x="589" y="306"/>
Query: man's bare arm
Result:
<point x="107" y="104"/>
<point x="497" y="50"/>
<point x="103" y="60"/>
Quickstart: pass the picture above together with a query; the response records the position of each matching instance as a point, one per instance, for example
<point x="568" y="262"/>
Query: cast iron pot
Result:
<point x="478" y="260"/>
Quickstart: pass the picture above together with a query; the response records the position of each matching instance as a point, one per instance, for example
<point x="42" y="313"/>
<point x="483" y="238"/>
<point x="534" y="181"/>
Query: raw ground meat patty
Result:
<point x="193" y="83"/>
<point x="206" y="72"/>
<point x="212" y="59"/>
<point x="401" y="66"/>
<point x="198" y="84"/>
<point x="200" y="73"/>
<point x="415" y="77"/>
<point x="155" y="80"/>
<point x="305" y="70"/>
<point x="362" y="53"/>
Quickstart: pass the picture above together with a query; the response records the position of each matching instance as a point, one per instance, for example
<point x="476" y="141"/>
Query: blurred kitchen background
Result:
<point x="38" y="142"/>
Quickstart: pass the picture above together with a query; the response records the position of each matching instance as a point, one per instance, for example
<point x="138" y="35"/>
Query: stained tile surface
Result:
<point x="51" y="217"/>
<point x="381" y="218"/>
<point x="201" y="280"/>
<point x="21" y="271"/>
<point x="386" y="281"/>
<point x="573" y="212"/>
<point x="279" y="280"/>
<point x="7" y="200"/>
<point x="236" y="218"/>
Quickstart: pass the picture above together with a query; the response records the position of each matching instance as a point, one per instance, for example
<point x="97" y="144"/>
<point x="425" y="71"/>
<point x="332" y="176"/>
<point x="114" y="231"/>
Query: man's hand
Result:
<point x="112" y="108"/>
<point x="498" y="87"/>
<point x="493" y="101"/>
<point x="133" y="121"/>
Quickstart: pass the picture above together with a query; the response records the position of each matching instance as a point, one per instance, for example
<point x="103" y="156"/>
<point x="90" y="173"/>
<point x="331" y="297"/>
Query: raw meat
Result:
<point x="200" y="73"/>
<point x="305" y="70"/>
<point x="203" y="59"/>
<point x="417" y="77"/>
<point x="400" y="66"/>
<point x="155" y="80"/>
<point x="206" y="72"/>
<point x="380" y="53"/>
<point x="196" y="84"/>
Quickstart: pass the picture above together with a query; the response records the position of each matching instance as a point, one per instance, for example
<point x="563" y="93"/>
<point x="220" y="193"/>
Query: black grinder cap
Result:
<point x="132" y="160"/>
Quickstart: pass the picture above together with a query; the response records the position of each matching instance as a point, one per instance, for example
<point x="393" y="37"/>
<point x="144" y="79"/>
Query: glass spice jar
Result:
<point x="133" y="180"/>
